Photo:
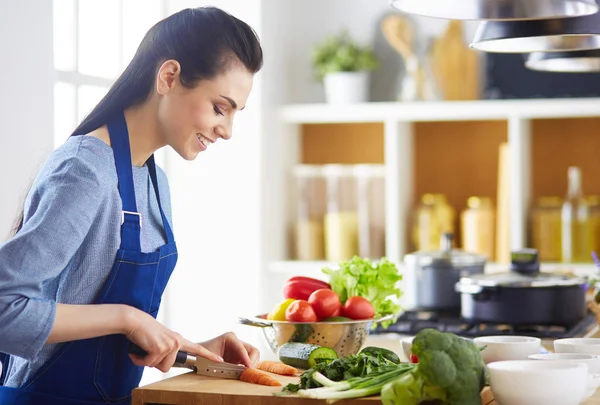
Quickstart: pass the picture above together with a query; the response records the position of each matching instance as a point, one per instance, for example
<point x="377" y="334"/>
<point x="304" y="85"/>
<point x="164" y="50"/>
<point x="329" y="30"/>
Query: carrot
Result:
<point x="276" y="367"/>
<point x="254" y="376"/>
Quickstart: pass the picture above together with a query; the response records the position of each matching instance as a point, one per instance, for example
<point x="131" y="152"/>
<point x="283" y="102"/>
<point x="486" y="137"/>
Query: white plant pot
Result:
<point x="347" y="87"/>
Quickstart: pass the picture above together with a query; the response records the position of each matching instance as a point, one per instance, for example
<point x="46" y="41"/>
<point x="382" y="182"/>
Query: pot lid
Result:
<point x="516" y="280"/>
<point x="496" y="10"/>
<point x="446" y="257"/>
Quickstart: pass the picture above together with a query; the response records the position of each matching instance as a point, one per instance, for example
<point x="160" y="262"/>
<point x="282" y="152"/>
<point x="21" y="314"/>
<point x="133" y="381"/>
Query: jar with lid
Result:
<point x="341" y="217"/>
<point x="309" y="243"/>
<point x="370" y="183"/>
<point x="433" y="217"/>
<point x="478" y="224"/>
<point x="546" y="228"/>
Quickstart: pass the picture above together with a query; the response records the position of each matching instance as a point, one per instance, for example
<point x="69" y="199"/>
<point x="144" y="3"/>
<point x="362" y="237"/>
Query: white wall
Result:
<point x="310" y="20"/>
<point x="26" y="122"/>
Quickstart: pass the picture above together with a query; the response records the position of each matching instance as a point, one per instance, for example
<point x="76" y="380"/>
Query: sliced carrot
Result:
<point x="254" y="376"/>
<point x="276" y="367"/>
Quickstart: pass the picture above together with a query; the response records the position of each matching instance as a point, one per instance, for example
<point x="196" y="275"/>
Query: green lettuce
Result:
<point x="374" y="281"/>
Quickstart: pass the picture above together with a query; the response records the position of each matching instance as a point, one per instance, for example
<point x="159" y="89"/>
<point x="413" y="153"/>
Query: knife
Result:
<point x="200" y="365"/>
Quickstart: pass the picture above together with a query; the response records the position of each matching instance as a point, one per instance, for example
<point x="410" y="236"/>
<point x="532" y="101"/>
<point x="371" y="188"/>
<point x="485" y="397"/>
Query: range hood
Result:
<point x="565" y="62"/>
<point x="504" y="10"/>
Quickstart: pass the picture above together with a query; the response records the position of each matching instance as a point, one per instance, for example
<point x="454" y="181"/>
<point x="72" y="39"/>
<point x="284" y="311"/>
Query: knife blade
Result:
<point x="200" y="365"/>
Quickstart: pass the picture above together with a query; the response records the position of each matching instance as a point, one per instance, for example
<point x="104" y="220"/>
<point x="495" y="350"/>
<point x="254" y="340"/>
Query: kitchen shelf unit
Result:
<point x="398" y="121"/>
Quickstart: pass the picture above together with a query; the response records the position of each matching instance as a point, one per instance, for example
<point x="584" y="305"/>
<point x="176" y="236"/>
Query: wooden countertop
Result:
<point x="192" y="389"/>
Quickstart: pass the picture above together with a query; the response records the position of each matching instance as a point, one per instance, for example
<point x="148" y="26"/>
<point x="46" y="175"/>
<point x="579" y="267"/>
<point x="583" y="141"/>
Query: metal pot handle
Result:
<point x="251" y="322"/>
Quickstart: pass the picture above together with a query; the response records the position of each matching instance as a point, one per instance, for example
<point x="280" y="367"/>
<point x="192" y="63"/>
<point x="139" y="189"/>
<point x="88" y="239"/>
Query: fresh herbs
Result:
<point x="375" y="281"/>
<point x="356" y="376"/>
<point x="346" y="368"/>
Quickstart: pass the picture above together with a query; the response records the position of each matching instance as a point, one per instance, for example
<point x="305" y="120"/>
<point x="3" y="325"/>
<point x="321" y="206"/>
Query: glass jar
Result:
<point x="594" y="222"/>
<point x="370" y="183"/>
<point x="433" y="217"/>
<point x="341" y="217"/>
<point x="546" y="228"/>
<point x="478" y="224"/>
<point x="309" y="243"/>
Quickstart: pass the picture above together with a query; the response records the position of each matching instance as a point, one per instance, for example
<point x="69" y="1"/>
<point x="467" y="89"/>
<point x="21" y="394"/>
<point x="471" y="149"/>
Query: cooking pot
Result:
<point x="432" y="275"/>
<point x="524" y="295"/>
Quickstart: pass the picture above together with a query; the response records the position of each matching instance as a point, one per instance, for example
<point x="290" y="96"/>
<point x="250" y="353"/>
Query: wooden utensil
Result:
<point x="400" y="33"/>
<point x="456" y="66"/>
<point x="502" y="207"/>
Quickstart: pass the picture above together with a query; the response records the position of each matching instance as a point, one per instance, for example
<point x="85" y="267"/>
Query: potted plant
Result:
<point x="344" y="68"/>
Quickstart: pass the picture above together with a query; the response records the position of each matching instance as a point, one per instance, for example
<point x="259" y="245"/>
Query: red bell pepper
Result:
<point x="300" y="288"/>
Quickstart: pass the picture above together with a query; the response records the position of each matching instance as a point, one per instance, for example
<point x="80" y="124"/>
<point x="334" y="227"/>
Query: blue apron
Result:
<point x="99" y="370"/>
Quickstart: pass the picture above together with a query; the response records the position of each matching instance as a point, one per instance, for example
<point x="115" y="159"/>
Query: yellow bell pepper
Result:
<point x="278" y="313"/>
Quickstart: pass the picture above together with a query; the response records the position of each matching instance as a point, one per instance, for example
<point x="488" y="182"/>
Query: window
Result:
<point x="93" y="42"/>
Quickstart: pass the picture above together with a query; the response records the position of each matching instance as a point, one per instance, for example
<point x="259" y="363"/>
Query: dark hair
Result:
<point x="205" y="41"/>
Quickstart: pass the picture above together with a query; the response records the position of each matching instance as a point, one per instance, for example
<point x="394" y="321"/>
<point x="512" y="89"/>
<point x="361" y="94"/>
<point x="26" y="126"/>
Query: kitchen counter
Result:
<point x="189" y="388"/>
<point x="192" y="389"/>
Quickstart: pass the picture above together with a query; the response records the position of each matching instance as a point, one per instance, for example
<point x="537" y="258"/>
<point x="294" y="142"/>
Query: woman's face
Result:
<point x="192" y="119"/>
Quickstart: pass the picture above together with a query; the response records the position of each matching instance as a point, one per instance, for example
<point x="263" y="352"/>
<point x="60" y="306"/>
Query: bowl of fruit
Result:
<point x="328" y="313"/>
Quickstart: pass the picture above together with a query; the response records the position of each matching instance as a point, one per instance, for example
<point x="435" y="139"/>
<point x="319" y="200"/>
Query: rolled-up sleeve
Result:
<point x="59" y="211"/>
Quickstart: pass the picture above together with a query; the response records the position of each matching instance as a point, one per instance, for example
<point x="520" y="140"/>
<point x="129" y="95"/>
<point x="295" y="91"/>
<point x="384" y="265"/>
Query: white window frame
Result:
<point x="75" y="78"/>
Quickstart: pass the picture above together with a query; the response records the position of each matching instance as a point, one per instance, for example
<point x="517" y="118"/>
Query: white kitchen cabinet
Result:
<point x="398" y="121"/>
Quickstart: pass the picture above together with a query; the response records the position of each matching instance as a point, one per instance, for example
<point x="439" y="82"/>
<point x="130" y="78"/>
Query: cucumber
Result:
<point x="385" y="353"/>
<point x="302" y="333"/>
<point x="304" y="355"/>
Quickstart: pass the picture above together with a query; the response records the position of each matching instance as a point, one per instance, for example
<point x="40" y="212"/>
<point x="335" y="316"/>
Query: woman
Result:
<point x="83" y="276"/>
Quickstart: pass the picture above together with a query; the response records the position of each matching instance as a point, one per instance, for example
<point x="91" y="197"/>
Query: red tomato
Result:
<point x="413" y="358"/>
<point x="300" y="288"/>
<point x="300" y="311"/>
<point x="338" y="312"/>
<point x="325" y="302"/>
<point x="358" y="308"/>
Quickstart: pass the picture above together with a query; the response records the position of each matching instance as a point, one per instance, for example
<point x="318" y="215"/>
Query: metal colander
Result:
<point x="346" y="337"/>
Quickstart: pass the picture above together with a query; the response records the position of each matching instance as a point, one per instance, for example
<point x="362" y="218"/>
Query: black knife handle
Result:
<point x="138" y="351"/>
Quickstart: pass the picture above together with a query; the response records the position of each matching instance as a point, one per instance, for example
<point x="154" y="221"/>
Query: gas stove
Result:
<point x="411" y="322"/>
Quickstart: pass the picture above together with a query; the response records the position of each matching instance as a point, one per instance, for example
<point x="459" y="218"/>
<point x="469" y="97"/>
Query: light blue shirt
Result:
<point x="67" y="246"/>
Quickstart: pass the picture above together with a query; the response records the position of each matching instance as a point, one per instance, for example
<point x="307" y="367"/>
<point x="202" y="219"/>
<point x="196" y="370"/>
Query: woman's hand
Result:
<point x="160" y="343"/>
<point x="233" y="350"/>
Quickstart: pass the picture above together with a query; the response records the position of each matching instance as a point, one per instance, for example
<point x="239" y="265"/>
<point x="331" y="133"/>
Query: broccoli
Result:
<point x="450" y="370"/>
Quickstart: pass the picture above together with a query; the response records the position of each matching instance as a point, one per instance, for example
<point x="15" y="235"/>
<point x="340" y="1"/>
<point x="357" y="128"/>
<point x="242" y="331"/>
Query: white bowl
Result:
<point x="498" y="348"/>
<point x="592" y="361"/>
<point x="406" y="347"/>
<point x="577" y="345"/>
<point x="528" y="382"/>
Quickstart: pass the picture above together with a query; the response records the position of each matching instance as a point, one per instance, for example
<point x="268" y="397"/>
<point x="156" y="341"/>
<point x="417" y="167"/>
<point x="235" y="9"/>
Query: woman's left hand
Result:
<point x="233" y="350"/>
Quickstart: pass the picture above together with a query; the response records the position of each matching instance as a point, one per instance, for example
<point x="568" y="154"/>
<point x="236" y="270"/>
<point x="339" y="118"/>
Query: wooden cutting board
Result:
<point x="457" y="68"/>
<point x="193" y="389"/>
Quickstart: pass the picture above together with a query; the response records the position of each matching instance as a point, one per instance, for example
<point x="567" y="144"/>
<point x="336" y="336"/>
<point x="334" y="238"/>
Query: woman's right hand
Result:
<point x="160" y="343"/>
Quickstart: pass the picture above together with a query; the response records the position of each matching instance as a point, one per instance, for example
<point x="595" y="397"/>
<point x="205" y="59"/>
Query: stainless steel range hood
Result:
<point x="551" y="35"/>
<point x="565" y="62"/>
<point x="503" y="10"/>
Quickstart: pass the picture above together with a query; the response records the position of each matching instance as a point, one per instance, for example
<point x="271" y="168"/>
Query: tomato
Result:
<point x="338" y="312"/>
<point x="325" y="302"/>
<point x="278" y="313"/>
<point x="300" y="311"/>
<point x="358" y="308"/>
<point x="413" y="358"/>
<point x="300" y="288"/>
